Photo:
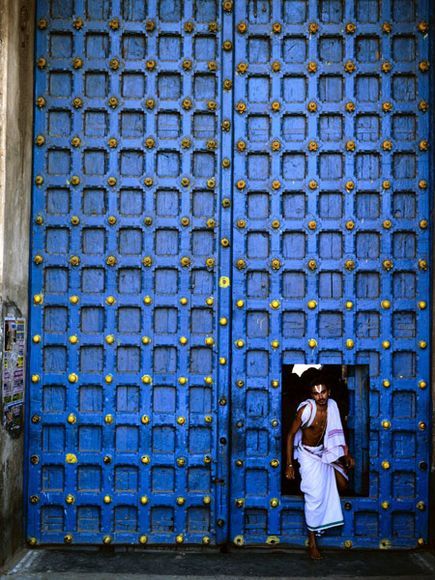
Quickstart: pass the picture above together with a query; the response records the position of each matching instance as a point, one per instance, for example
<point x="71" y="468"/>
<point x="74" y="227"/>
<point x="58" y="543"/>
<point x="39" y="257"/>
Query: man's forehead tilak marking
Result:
<point x="319" y="389"/>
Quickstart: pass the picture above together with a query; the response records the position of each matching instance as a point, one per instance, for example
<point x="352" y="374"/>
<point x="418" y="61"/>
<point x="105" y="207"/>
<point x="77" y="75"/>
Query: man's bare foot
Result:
<point x="312" y="547"/>
<point x="314" y="552"/>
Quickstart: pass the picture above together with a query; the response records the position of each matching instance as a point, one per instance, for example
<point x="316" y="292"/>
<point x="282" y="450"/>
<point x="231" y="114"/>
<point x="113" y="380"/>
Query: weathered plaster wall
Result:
<point x="16" y="98"/>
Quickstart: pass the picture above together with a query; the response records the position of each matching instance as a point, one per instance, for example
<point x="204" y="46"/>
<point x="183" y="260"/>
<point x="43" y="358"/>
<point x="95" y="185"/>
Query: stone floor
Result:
<point x="151" y="564"/>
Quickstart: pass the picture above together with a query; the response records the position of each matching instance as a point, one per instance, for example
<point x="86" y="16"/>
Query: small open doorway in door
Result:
<point x="349" y="386"/>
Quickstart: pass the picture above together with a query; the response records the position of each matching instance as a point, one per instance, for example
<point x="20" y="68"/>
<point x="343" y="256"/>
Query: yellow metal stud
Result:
<point x="187" y="64"/>
<point x="146" y="379"/>
<point x="312" y="342"/>
<point x="275" y="106"/>
<point x="222" y="360"/>
<point x="108" y="379"/>
<point x="38" y="299"/>
<point x="73" y="339"/>
<point x="387" y="107"/>
<point x="145" y="420"/>
<point x="386" y="383"/>
<point x="68" y="538"/>
<point x="274" y="502"/>
<point x="70" y="499"/>
<point x="143" y="539"/>
<point x="107" y="499"/>
<point x="350" y="343"/>
<point x="108" y="419"/>
<point x="423" y="106"/>
<point x="145" y="459"/>
<point x="36" y="378"/>
<point x="386" y="424"/>
<point x="387" y="27"/>
<point x="181" y="462"/>
<point x="73" y="378"/>
<point x="181" y="420"/>
<point x="240" y="303"/>
<point x="276" y="66"/>
<point x="349" y="66"/>
<point x="349" y="304"/>
<point x="275" y="264"/>
<point x="350" y="28"/>
<point x="385" y="505"/>
<point x="350" y="107"/>
<point x="312" y="67"/>
<point x="422" y="426"/>
<point x="423" y="145"/>
<point x="386" y="465"/>
<point x="107" y="540"/>
<point x="144" y="500"/>
<point x="422" y="384"/>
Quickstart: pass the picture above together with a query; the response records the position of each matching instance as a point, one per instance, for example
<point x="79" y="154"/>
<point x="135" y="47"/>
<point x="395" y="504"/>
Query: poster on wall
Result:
<point x="13" y="374"/>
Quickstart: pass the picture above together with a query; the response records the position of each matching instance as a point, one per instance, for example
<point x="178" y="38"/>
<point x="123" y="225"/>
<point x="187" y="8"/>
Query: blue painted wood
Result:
<point x="289" y="162"/>
<point x="318" y="204"/>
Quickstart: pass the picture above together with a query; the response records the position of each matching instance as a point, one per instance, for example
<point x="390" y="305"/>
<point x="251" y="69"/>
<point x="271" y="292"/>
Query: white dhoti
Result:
<point x="319" y="486"/>
<point x="317" y="469"/>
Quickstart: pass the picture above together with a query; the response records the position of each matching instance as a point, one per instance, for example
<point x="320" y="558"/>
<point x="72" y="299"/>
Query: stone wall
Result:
<point x="16" y="107"/>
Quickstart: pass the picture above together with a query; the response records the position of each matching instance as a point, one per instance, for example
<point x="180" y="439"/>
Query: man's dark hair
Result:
<point x="318" y="379"/>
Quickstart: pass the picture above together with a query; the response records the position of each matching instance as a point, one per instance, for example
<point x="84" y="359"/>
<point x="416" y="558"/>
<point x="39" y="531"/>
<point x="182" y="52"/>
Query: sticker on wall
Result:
<point x="13" y="375"/>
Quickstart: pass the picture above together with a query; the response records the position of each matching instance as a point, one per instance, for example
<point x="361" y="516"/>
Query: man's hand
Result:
<point x="290" y="472"/>
<point x="349" y="461"/>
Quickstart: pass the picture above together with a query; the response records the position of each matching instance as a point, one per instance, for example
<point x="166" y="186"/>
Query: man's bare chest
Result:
<point x="318" y="426"/>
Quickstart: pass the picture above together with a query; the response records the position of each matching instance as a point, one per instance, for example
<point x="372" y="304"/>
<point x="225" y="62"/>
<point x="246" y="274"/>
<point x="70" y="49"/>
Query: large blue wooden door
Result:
<point x="331" y="250"/>
<point x="221" y="188"/>
<point x="128" y="437"/>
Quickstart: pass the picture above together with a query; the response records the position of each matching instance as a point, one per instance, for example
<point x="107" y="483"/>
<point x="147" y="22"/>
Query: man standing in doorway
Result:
<point x="316" y="440"/>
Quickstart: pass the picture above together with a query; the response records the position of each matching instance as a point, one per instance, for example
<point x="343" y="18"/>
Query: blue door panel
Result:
<point x="221" y="189"/>
<point x="330" y="254"/>
<point x="129" y="400"/>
